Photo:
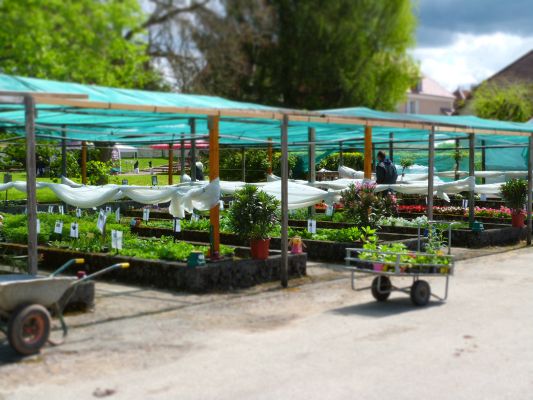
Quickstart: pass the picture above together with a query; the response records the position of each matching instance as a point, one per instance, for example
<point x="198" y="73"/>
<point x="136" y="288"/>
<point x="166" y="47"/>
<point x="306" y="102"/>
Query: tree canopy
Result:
<point x="306" y="54"/>
<point x="81" y="41"/>
<point x="504" y="101"/>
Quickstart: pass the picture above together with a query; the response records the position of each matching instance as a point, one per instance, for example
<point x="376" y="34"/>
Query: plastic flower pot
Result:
<point x="378" y="266"/>
<point x="259" y="248"/>
<point x="517" y="220"/>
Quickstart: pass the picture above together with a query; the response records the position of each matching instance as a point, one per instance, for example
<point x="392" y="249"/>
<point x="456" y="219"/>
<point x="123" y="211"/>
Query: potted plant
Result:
<point x="406" y="162"/>
<point x="253" y="216"/>
<point x="514" y="193"/>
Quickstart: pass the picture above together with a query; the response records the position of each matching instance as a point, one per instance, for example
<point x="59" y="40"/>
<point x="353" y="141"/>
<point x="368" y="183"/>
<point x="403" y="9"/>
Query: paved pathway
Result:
<point x="319" y="340"/>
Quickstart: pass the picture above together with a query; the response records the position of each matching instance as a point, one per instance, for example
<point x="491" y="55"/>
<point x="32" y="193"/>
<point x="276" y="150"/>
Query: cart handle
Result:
<point x="102" y="271"/>
<point x="66" y="265"/>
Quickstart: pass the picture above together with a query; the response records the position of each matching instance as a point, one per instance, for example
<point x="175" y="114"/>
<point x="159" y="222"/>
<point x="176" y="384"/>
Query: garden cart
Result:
<point x="385" y="265"/>
<point x="26" y="302"/>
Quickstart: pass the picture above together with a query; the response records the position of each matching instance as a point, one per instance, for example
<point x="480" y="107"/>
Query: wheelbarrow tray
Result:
<point x="16" y="290"/>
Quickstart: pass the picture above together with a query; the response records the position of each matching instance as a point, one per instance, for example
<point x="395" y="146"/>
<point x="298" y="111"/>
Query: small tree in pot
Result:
<point x="514" y="193"/>
<point x="253" y="216"/>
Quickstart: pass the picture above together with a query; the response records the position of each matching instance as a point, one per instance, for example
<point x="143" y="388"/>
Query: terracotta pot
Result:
<point x="259" y="248"/>
<point x="517" y="220"/>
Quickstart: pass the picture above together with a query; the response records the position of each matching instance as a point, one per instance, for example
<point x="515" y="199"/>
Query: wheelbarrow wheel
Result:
<point x="381" y="288"/>
<point x="420" y="293"/>
<point x="28" y="329"/>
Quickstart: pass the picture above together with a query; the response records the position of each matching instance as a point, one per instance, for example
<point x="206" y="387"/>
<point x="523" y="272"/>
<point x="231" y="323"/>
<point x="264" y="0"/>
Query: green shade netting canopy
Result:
<point x="140" y="128"/>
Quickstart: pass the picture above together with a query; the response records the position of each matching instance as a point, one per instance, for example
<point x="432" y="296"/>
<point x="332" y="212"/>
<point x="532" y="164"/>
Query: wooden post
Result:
<point x="483" y="159"/>
<point x="431" y="172"/>
<point x="471" y="174"/>
<point x="214" y="213"/>
<point x="243" y="158"/>
<point x="64" y="153"/>
<point x="192" y="124"/>
<point x="31" y="183"/>
<point x="269" y="152"/>
<point x="284" y="272"/>
<point x="170" y="163"/>
<point x="529" y="189"/>
<point x="311" y="152"/>
<point x="84" y="162"/>
<point x="368" y="152"/>
<point x="182" y="159"/>
<point x="391" y="146"/>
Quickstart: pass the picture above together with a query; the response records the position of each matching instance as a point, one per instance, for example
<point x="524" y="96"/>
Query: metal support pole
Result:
<point x="457" y="165"/>
<point x="31" y="183"/>
<point x="64" y="153"/>
<point x="170" y="163"/>
<point x="243" y="158"/>
<point x="471" y="174"/>
<point x="192" y="124"/>
<point x="431" y="172"/>
<point x="182" y="159"/>
<point x="483" y="159"/>
<point x="84" y="162"/>
<point x="284" y="272"/>
<point x="373" y="156"/>
<point x="214" y="161"/>
<point x="311" y="132"/>
<point x="368" y="152"/>
<point x="391" y="146"/>
<point x="529" y="189"/>
<point x="269" y="153"/>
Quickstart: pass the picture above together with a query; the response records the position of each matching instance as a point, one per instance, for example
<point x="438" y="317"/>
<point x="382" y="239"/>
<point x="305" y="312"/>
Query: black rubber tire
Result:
<point x="385" y="286"/>
<point x="28" y="329"/>
<point x="420" y="293"/>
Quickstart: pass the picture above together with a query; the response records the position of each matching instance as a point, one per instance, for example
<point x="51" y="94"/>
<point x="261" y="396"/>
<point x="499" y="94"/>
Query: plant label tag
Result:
<point x="483" y="197"/>
<point x="329" y="210"/>
<point x="50" y="209"/>
<point x="177" y="225"/>
<point x="465" y="203"/>
<point x="25" y="210"/>
<point x="61" y="209"/>
<point x="146" y="214"/>
<point x="195" y="217"/>
<point x="124" y="182"/>
<point x="58" y="227"/>
<point x="108" y="210"/>
<point x="291" y="212"/>
<point x="74" y="233"/>
<point x="154" y="180"/>
<point x="116" y="240"/>
<point x="78" y="212"/>
<point x="221" y="202"/>
<point x="38" y="226"/>
<point x="311" y="225"/>
<point x="426" y="200"/>
<point x="117" y="215"/>
<point x="100" y="224"/>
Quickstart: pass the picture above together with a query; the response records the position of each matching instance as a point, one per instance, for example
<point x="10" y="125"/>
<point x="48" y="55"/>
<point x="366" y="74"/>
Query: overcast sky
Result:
<point x="461" y="42"/>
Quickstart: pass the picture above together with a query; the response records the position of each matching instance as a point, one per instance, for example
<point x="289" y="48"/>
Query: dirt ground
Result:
<point x="316" y="340"/>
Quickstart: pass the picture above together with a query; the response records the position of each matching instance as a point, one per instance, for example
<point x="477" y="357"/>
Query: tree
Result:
<point x="307" y="54"/>
<point x="504" y="102"/>
<point x="81" y="41"/>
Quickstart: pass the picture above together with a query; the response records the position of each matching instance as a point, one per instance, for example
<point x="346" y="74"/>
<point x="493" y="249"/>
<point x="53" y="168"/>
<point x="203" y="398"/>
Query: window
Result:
<point x="412" y="107"/>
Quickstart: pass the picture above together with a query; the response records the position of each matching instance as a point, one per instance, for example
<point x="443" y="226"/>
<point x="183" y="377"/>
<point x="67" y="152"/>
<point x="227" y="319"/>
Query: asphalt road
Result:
<point x="319" y="340"/>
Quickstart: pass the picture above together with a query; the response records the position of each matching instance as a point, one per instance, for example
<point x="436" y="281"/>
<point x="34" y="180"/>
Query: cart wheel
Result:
<point x="28" y="329"/>
<point x="384" y="290"/>
<point x="420" y="293"/>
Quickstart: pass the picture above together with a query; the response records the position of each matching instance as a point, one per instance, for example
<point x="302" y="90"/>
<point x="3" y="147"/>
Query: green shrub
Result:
<point x="352" y="160"/>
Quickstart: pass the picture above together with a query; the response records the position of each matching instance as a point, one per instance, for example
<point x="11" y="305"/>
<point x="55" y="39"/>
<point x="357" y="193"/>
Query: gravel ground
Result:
<point x="315" y="340"/>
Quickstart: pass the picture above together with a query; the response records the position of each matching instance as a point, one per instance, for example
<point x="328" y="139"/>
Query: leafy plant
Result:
<point x="514" y="193"/>
<point x="254" y="214"/>
<point x="406" y="162"/>
<point x="351" y="159"/>
<point x="98" y="172"/>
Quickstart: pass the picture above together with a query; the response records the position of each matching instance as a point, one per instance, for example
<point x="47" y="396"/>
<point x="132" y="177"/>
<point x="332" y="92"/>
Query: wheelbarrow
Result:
<point x="25" y="301"/>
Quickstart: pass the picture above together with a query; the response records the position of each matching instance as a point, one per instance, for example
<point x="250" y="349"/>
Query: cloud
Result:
<point x="441" y="20"/>
<point x="470" y="58"/>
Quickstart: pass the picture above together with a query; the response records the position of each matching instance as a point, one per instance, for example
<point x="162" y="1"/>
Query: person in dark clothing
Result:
<point x="385" y="170"/>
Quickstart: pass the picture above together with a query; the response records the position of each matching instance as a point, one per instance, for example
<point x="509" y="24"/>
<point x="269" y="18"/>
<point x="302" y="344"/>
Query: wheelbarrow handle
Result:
<point x="102" y="271"/>
<point x="66" y="265"/>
